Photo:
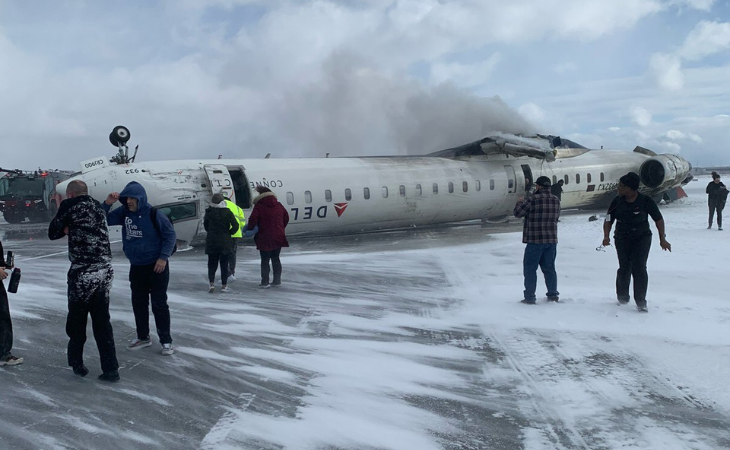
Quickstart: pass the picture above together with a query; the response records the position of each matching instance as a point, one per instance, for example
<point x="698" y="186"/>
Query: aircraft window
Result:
<point x="451" y="187"/>
<point x="555" y="179"/>
<point x="289" y="198"/>
<point x="419" y="191"/>
<point x="366" y="193"/>
<point x="577" y="178"/>
<point x="328" y="195"/>
<point x="567" y="180"/>
<point x="491" y="185"/>
<point x="179" y="212"/>
<point x="307" y="196"/>
<point x="385" y="191"/>
<point x="348" y="194"/>
<point x="511" y="184"/>
<point x="601" y="176"/>
<point x="588" y="178"/>
<point x="435" y="188"/>
<point x="465" y="186"/>
<point x="402" y="190"/>
<point x="478" y="185"/>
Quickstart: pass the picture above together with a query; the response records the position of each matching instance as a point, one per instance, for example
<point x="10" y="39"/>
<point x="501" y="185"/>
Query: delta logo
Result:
<point x="340" y="208"/>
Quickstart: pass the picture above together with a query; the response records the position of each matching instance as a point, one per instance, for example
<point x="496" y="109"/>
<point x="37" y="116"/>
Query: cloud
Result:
<point x="466" y="75"/>
<point x="565" y="67"/>
<point x="640" y="116"/>
<point x="705" y="39"/>
<point x="614" y="128"/>
<point x="667" y="71"/>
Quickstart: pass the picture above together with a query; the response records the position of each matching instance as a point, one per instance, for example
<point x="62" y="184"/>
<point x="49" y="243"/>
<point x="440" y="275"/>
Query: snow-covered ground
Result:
<point x="407" y="341"/>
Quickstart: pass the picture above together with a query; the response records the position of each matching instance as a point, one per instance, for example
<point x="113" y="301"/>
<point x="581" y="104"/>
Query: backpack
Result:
<point x="153" y="217"/>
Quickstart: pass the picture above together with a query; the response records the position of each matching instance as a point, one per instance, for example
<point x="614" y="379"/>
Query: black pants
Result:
<point x="232" y="257"/>
<point x="88" y="294"/>
<point x="6" y="326"/>
<point x="213" y="261"/>
<point x="272" y="256"/>
<point x="633" y="253"/>
<point x="715" y="205"/>
<point x="150" y="286"/>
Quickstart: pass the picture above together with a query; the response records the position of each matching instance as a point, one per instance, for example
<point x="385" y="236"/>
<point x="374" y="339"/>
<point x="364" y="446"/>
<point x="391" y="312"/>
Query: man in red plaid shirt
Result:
<point x="541" y="211"/>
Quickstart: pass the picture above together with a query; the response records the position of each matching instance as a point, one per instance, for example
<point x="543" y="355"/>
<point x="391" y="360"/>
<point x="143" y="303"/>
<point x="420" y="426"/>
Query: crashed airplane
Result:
<point x="479" y="180"/>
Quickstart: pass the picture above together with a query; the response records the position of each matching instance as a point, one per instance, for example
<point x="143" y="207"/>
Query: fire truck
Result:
<point x="30" y="195"/>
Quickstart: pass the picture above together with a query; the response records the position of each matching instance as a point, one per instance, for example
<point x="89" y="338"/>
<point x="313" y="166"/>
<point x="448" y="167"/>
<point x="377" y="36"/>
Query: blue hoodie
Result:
<point x="143" y="244"/>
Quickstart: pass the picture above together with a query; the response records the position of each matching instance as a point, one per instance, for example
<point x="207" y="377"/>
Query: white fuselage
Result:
<point x="352" y="195"/>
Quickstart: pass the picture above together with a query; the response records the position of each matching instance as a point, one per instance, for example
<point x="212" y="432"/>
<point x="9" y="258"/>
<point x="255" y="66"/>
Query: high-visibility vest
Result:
<point x="240" y="217"/>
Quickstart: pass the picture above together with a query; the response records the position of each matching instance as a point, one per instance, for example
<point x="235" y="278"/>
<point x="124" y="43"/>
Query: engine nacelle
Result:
<point x="663" y="172"/>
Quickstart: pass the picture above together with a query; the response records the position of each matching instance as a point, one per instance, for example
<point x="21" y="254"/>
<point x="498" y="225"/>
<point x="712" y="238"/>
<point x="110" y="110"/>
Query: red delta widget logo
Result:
<point x="310" y="212"/>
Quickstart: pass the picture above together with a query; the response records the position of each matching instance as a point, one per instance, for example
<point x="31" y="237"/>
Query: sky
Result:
<point x="393" y="341"/>
<point x="243" y="78"/>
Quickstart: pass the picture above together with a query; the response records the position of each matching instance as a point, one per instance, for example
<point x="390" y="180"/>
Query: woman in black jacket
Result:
<point x="221" y="225"/>
<point x="716" y="196"/>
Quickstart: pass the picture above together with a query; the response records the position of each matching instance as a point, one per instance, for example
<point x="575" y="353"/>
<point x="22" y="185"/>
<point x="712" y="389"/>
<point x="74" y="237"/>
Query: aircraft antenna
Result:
<point x="268" y="155"/>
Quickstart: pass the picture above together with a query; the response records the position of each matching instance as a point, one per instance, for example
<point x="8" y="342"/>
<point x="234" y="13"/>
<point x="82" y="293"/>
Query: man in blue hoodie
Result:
<point x="147" y="245"/>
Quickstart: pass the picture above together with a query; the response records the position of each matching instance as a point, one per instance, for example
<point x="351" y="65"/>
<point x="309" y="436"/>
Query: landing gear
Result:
<point x="119" y="136"/>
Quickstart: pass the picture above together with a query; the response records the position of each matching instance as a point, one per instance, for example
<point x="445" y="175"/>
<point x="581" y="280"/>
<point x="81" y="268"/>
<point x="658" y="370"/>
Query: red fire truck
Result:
<point x="30" y="195"/>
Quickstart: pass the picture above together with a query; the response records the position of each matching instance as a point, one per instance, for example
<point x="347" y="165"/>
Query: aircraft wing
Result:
<point x="537" y="146"/>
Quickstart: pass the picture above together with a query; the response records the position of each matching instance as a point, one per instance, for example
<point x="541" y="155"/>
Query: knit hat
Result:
<point x="543" y="181"/>
<point x="631" y="180"/>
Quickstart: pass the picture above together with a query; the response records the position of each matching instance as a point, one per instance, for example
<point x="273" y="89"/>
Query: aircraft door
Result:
<point x="511" y="179"/>
<point x="220" y="180"/>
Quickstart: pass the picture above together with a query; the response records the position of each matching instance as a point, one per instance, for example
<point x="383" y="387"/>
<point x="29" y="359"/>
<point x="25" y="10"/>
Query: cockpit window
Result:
<point x="179" y="212"/>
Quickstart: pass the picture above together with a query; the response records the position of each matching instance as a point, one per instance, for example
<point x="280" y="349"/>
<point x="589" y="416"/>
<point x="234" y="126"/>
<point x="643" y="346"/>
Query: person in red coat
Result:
<point x="272" y="218"/>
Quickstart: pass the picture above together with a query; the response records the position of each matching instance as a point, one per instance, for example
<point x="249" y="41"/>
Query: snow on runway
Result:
<point x="411" y="340"/>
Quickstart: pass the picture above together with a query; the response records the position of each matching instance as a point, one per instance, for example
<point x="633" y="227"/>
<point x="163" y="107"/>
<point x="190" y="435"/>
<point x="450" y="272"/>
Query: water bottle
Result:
<point x="14" y="281"/>
<point x="10" y="260"/>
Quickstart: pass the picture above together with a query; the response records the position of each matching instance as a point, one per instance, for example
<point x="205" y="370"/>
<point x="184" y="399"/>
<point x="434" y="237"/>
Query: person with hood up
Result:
<point x="90" y="276"/>
<point x="148" y="240"/>
<point x="631" y="209"/>
<point x="716" y="198"/>
<point x="271" y="218"/>
<point x="221" y="225"/>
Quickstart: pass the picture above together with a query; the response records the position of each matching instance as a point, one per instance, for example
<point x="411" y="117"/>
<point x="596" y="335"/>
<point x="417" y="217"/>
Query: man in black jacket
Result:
<point x="6" y="326"/>
<point x="716" y="197"/>
<point x="89" y="278"/>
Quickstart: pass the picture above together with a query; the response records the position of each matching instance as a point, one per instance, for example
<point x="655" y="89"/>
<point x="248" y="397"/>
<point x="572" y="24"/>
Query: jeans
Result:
<point x="213" y="262"/>
<point x="147" y="285"/>
<point x="88" y="294"/>
<point x="715" y="205"/>
<point x="275" y="262"/>
<point x="542" y="255"/>
<point x="633" y="252"/>
<point x="232" y="257"/>
<point x="6" y="326"/>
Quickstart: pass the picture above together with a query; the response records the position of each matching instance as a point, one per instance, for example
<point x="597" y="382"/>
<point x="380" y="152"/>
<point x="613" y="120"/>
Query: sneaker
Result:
<point x="231" y="277"/>
<point x="709" y="227"/>
<point x="211" y="289"/>
<point x="139" y="343"/>
<point x="528" y="302"/>
<point x="554" y="299"/>
<point x="225" y="289"/>
<point x="167" y="349"/>
<point x="642" y="309"/>
<point x="276" y="283"/>
<point x="719" y="228"/>
<point x="81" y="370"/>
<point x="11" y="360"/>
<point x="264" y="286"/>
<point x="112" y="376"/>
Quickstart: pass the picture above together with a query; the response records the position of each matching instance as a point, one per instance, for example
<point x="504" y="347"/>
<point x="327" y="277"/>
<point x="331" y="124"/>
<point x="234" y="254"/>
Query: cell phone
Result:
<point x="10" y="259"/>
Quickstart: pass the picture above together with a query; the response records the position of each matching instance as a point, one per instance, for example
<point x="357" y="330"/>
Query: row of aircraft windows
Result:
<point x="419" y="189"/>
<point x="566" y="178"/>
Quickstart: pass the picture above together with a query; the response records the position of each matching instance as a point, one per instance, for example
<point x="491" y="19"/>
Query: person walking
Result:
<point x="148" y="240"/>
<point x="557" y="189"/>
<point x="237" y="236"/>
<point x="631" y="210"/>
<point x="541" y="211"/>
<point x="89" y="278"/>
<point x="6" y="325"/>
<point x="271" y="218"/>
<point x="220" y="224"/>
<point x="716" y="198"/>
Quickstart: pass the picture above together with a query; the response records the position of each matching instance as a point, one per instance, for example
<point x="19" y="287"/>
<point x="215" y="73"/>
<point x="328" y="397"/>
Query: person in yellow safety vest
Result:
<point x="241" y="217"/>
